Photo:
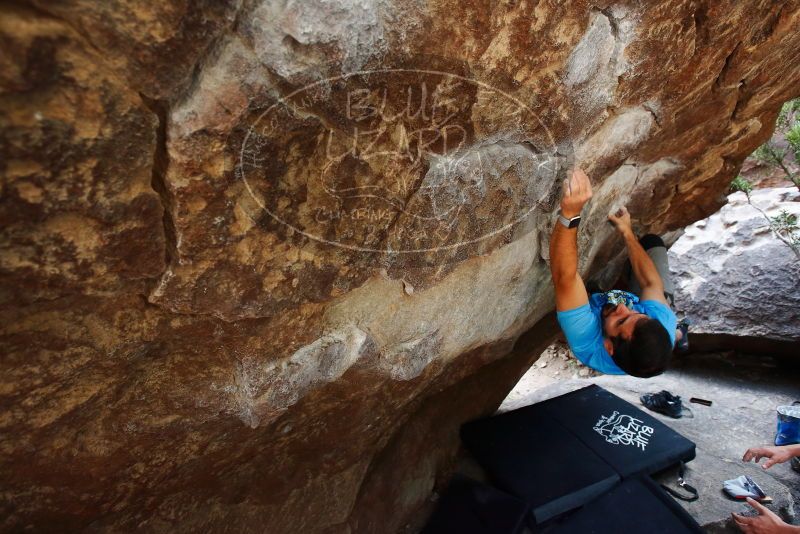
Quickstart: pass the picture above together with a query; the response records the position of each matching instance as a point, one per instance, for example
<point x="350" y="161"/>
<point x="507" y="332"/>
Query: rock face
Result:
<point x="261" y="259"/>
<point x="733" y="276"/>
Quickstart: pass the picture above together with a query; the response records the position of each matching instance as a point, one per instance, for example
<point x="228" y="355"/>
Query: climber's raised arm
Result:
<point x="652" y="287"/>
<point x="570" y="291"/>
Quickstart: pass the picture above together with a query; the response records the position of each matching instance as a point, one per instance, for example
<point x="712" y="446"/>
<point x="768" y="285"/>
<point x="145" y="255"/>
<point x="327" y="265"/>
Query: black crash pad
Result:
<point x="631" y="440"/>
<point x="536" y="458"/>
<point x="471" y="507"/>
<point x="562" y="453"/>
<point x="637" y="505"/>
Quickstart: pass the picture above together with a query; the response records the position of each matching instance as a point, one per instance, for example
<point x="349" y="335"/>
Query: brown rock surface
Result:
<point x="261" y="259"/>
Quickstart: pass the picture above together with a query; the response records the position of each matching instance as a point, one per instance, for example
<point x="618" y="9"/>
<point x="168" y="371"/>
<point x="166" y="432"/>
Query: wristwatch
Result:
<point x="569" y="223"/>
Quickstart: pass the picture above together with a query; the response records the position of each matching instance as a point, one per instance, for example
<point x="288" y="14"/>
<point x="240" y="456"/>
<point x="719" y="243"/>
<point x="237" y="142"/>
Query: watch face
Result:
<point x="574" y="222"/>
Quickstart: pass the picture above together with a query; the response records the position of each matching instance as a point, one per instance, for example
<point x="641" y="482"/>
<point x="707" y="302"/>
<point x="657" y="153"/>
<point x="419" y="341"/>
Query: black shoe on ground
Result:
<point x="664" y="403"/>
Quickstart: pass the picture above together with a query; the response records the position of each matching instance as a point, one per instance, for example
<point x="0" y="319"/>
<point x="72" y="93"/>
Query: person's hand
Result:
<point x="774" y="455"/>
<point x="766" y="522"/>
<point x="577" y="192"/>
<point x="621" y="220"/>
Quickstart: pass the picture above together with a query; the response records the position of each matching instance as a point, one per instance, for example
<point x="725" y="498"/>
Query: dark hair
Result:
<point x="646" y="353"/>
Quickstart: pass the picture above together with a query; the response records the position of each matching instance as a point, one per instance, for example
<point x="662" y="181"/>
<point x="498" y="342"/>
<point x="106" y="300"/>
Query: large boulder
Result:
<point x="734" y="276"/>
<point x="261" y="259"/>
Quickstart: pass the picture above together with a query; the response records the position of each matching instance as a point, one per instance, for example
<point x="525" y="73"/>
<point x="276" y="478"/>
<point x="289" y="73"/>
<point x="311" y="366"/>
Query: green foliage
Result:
<point x="793" y="138"/>
<point x="773" y="155"/>
<point x="769" y="154"/>
<point x="740" y="184"/>
<point x="786" y="115"/>
<point x="785" y="224"/>
<point x="785" y="220"/>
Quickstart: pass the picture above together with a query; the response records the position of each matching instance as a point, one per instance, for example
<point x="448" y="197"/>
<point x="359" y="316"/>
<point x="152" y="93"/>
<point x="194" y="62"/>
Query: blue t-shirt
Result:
<point x="583" y="327"/>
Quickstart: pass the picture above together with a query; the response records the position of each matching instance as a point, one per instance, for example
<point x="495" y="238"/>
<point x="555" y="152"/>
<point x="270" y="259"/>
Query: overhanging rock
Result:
<point x="261" y="259"/>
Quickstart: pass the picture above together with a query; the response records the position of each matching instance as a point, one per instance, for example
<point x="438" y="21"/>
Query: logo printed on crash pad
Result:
<point x="621" y="429"/>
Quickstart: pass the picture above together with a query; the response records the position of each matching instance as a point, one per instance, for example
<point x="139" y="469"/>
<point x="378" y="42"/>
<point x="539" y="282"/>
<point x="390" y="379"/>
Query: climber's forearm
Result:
<point x="569" y="288"/>
<point x="643" y="267"/>
<point x="563" y="254"/>
<point x="570" y="292"/>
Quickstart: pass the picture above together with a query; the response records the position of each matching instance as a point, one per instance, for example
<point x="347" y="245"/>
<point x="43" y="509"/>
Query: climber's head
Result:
<point x="620" y="321"/>
<point x="638" y="344"/>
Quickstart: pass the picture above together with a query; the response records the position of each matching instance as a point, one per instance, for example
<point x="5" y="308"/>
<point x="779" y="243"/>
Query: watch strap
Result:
<point x="568" y="223"/>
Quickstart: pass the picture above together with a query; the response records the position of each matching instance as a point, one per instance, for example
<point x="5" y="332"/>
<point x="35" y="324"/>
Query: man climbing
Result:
<point x="616" y="332"/>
